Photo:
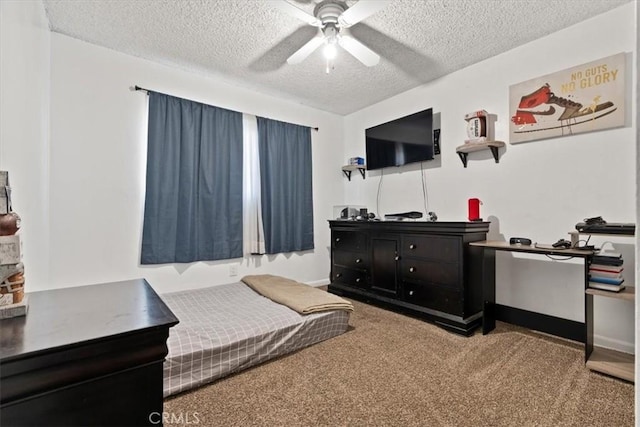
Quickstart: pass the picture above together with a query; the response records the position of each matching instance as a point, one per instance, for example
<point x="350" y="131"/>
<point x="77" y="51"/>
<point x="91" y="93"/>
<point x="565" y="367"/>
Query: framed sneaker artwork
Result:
<point x="581" y="99"/>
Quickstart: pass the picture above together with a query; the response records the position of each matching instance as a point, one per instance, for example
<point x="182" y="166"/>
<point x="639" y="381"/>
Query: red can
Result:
<point x="474" y="209"/>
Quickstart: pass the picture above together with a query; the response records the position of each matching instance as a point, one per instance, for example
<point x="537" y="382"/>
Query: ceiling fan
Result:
<point x="333" y="19"/>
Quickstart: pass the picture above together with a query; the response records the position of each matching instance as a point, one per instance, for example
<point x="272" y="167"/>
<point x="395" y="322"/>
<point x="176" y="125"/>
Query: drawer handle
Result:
<point x="337" y="239"/>
<point x="358" y="280"/>
<point x="412" y="269"/>
<point x="358" y="260"/>
<point x="338" y="275"/>
<point x="410" y="293"/>
<point x="397" y="258"/>
<point x="412" y="246"/>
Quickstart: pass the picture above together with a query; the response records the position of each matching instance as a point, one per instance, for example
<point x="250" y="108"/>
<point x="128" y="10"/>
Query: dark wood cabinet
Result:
<point x="384" y="265"/>
<point x="426" y="269"/>
<point x="88" y="355"/>
<point x="350" y="258"/>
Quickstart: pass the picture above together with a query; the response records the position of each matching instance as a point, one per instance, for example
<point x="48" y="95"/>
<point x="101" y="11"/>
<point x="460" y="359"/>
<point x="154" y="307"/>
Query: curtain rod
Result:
<point x="136" y="88"/>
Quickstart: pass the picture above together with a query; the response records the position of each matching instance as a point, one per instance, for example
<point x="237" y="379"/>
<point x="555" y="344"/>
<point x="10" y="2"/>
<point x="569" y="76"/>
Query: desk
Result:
<point x="545" y="323"/>
<point x="88" y="355"/>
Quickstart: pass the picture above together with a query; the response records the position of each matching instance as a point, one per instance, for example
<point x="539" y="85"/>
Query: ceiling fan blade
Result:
<point x="306" y="50"/>
<point x="358" y="50"/>
<point x="296" y="12"/>
<point x="361" y="10"/>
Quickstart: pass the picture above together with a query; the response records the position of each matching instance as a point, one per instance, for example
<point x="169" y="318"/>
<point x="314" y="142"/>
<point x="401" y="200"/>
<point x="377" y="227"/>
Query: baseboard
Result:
<point x="557" y="326"/>
<point x="318" y="283"/>
<point x="613" y="344"/>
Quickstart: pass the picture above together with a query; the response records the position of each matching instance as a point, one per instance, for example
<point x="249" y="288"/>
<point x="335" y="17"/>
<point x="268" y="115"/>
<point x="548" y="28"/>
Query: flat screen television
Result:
<point x="405" y="140"/>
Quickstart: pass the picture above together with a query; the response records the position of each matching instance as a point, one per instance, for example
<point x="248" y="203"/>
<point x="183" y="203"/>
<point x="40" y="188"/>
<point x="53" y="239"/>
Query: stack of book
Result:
<point x="605" y="272"/>
<point x="13" y="301"/>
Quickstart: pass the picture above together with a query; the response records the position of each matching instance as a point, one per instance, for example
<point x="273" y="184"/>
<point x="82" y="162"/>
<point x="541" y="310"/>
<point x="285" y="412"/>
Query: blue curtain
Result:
<point x="193" y="202"/>
<point x="286" y="190"/>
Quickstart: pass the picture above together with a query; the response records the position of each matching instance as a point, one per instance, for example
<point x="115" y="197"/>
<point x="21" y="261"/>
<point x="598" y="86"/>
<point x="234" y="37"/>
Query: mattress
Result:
<point x="227" y="328"/>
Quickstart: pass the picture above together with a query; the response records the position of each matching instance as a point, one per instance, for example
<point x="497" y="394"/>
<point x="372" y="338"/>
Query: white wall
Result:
<point x="98" y="161"/>
<point x="24" y="127"/>
<point x="539" y="189"/>
<point x="637" y="302"/>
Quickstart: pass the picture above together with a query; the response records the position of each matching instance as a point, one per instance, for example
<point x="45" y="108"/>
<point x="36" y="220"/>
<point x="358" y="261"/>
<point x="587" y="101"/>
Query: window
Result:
<point x="209" y="170"/>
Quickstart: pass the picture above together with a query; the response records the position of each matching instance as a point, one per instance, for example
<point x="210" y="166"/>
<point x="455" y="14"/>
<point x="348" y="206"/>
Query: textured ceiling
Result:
<point x="247" y="42"/>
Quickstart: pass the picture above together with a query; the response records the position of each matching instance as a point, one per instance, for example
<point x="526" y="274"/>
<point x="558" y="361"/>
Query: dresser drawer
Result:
<point x="349" y="240"/>
<point x="417" y="270"/>
<point x="350" y="259"/>
<point x="350" y="277"/>
<point x="434" y="297"/>
<point x="443" y="248"/>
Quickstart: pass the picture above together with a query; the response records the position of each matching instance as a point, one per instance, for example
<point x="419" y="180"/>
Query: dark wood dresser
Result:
<point x="89" y="355"/>
<point x="426" y="269"/>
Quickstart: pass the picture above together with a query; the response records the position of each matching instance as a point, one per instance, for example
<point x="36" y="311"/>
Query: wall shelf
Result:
<point x="346" y="170"/>
<point x="464" y="150"/>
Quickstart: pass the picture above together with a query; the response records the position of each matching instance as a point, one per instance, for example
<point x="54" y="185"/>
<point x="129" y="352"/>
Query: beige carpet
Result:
<point x="392" y="370"/>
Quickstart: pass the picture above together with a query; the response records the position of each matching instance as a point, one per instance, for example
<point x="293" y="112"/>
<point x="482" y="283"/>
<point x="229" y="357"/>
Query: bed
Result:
<point x="227" y="328"/>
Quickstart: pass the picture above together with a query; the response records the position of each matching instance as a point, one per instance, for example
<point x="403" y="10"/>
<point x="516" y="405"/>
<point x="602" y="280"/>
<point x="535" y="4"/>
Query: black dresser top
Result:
<point x="71" y="316"/>
<point x="447" y="227"/>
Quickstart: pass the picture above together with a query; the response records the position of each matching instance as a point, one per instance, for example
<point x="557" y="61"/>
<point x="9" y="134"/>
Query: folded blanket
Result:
<point x="297" y="296"/>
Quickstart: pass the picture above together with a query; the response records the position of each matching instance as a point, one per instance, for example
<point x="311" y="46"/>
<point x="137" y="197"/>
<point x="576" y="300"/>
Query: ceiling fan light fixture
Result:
<point x="330" y="51"/>
<point x="333" y="18"/>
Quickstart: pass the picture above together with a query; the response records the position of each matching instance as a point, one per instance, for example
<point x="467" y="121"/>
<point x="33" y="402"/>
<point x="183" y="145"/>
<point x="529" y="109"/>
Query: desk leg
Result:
<point x="488" y="290"/>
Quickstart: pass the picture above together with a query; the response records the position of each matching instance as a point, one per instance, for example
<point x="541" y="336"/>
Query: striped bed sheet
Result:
<point x="227" y="328"/>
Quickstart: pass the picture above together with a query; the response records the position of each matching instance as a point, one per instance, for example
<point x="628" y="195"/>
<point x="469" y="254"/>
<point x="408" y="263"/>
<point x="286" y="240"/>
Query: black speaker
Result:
<point x="520" y="240"/>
